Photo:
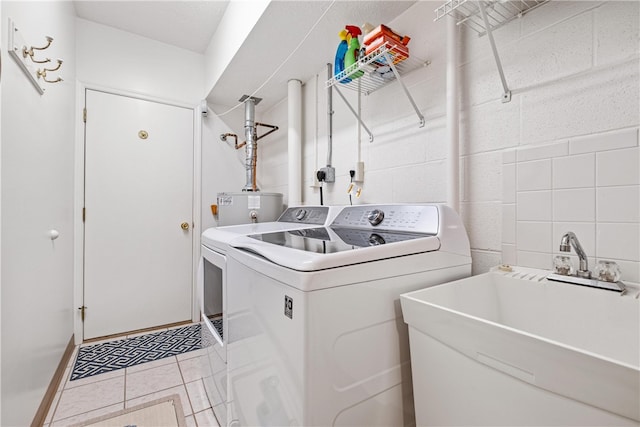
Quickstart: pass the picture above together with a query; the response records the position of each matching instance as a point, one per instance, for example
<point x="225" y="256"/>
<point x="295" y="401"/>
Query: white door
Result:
<point x="138" y="214"/>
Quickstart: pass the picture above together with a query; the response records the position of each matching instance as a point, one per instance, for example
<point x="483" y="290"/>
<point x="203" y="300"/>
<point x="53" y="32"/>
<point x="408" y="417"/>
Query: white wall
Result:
<point x="239" y="19"/>
<point x="116" y="59"/>
<point x="573" y="70"/>
<point x="573" y="67"/>
<point x="37" y="196"/>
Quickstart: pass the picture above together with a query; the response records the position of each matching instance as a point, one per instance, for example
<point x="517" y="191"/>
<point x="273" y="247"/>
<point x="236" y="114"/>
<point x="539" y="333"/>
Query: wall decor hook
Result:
<point x="29" y="52"/>
<point x="42" y="74"/>
<point x="25" y="56"/>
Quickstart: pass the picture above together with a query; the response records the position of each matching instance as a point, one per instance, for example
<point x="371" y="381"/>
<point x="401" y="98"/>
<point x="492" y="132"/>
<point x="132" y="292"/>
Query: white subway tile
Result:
<point x="509" y="183"/>
<point x="509" y="224"/>
<point x="618" y="241"/>
<point x="420" y="183"/>
<point x="616" y="31"/>
<point x="625" y="138"/>
<point x="618" y="204"/>
<point x="533" y="206"/>
<point x="534" y="175"/>
<point x="436" y="141"/>
<point x="584" y="231"/>
<point x="588" y="103"/>
<point x="483" y="224"/>
<point x="552" y="13"/>
<point x="485" y="86"/>
<point x="547" y="151"/>
<point x="483" y="261"/>
<point x="482" y="177"/>
<point x="477" y="48"/>
<point x="629" y="271"/>
<point x="574" y="171"/>
<point x="396" y="147"/>
<point x="376" y="188"/>
<point x="534" y="236"/>
<point x="509" y="256"/>
<point x="509" y="156"/>
<point x="576" y="205"/>
<point x="618" y="167"/>
<point x="563" y="49"/>
<point x="491" y="126"/>
<point x="540" y="260"/>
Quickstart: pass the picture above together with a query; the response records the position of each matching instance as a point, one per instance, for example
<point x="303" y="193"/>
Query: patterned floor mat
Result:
<point x="100" y="358"/>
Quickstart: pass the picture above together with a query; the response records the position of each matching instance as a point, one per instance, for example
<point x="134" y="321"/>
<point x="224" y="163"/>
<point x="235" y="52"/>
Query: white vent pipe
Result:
<point x="294" y="107"/>
<point x="453" y="130"/>
<point x="251" y="137"/>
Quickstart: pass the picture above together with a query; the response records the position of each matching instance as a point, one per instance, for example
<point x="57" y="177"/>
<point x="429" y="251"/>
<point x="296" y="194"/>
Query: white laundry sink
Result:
<point x="512" y="348"/>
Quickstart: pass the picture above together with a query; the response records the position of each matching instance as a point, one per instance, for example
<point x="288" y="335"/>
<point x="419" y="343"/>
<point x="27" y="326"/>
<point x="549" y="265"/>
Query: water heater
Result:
<point x="247" y="207"/>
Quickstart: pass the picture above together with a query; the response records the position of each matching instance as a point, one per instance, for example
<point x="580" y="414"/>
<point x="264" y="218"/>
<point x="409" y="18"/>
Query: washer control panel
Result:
<point x="315" y="215"/>
<point x="409" y="218"/>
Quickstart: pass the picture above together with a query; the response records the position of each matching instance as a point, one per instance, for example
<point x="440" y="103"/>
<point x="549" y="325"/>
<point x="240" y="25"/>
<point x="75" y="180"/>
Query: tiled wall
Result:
<point x="559" y="148"/>
<point x="588" y="185"/>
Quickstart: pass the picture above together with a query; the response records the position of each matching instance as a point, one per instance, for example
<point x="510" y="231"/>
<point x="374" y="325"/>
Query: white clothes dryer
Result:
<point x="316" y="335"/>
<point x="212" y="287"/>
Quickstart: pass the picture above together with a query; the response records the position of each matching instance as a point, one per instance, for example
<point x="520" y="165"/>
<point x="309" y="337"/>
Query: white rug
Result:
<point x="165" y="412"/>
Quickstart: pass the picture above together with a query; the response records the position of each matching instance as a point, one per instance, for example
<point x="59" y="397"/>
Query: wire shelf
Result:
<point x="375" y="72"/>
<point x="499" y="12"/>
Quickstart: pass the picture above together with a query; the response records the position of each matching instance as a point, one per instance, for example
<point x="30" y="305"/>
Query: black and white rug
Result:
<point x="100" y="358"/>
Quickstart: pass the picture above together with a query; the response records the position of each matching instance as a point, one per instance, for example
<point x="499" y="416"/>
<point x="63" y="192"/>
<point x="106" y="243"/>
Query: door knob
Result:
<point x="184" y="225"/>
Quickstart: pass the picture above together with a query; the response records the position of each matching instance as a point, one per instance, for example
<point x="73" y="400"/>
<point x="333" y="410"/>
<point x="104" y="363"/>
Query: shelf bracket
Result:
<point x="406" y="91"/>
<point x="506" y="96"/>
<point x="354" y="113"/>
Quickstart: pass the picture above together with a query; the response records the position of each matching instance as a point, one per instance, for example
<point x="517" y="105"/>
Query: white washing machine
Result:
<point x="316" y="334"/>
<point x="212" y="287"/>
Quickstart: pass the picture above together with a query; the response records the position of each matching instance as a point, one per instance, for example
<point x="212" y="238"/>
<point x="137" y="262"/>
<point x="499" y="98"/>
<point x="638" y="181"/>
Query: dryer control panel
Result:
<point x="314" y="215"/>
<point x="407" y="218"/>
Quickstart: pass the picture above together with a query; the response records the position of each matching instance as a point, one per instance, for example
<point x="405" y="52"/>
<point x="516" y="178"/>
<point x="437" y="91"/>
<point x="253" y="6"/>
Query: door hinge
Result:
<point x="84" y="214"/>
<point x="84" y="115"/>
<point x="82" y="310"/>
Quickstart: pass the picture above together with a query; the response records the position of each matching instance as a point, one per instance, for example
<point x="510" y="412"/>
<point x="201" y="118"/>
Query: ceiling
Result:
<point x="281" y="48"/>
<point x="185" y="24"/>
<point x="293" y="39"/>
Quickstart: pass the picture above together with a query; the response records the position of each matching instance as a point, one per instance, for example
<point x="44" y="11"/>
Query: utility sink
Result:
<point x="513" y="348"/>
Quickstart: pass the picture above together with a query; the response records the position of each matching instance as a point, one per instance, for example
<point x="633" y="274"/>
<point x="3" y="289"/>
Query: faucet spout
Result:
<point x="570" y="239"/>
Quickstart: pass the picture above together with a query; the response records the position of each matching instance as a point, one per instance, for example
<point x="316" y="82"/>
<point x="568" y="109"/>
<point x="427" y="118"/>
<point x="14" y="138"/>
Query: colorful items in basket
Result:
<point x="394" y="42"/>
<point x="348" y="53"/>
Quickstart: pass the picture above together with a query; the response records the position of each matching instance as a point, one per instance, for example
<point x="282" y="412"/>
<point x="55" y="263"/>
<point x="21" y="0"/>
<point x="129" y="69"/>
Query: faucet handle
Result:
<point x="562" y="265"/>
<point x="607" y="271"/>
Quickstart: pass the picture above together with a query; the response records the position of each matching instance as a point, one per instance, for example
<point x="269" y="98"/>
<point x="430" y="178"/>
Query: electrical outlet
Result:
<point x="329" y="173"/>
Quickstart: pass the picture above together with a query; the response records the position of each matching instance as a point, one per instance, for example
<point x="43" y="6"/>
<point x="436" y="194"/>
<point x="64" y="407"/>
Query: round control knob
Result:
<point x="376" y="240"/>
<point x="375" y="217"/>
<point x="300" y="214"/>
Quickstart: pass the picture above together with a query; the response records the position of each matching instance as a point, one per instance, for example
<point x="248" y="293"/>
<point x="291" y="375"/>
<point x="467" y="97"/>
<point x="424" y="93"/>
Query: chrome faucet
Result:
<point x="569" y="239"/>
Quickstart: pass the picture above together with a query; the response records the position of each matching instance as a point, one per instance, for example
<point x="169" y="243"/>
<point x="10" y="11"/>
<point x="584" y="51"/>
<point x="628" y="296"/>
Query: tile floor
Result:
<point x="79" y="400"/>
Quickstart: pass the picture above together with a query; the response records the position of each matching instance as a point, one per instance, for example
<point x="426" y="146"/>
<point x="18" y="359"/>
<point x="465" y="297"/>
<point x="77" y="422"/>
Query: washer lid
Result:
<point x="320" y="248"/>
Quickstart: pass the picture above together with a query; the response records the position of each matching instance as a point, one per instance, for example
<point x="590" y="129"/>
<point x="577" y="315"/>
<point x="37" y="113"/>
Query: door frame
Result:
<point x="78" y="198"/>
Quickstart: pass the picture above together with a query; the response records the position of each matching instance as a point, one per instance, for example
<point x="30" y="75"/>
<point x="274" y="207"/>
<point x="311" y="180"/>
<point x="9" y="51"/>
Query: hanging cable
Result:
<point x="352" y="174"/>
<point x="285" y="61"/>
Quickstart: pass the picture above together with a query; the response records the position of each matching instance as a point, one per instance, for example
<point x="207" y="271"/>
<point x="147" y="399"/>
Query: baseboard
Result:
<point x="138" y="331"/>
<point x="47" y="400"/>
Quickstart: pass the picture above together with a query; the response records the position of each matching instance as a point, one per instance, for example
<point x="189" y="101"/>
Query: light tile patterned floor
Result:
<point x="94" y="396"/>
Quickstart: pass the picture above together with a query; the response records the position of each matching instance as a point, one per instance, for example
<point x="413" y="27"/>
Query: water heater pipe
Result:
<point x="453" y="129"/>
<point x="294" y="109"/>
<point x="252" y="143"/>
